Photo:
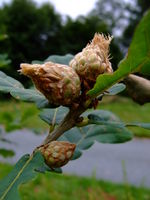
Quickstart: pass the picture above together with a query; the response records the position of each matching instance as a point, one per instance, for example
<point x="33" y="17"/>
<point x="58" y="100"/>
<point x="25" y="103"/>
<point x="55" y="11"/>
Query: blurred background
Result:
<point x="37" y="29"/>
<point x="33" y="30"/>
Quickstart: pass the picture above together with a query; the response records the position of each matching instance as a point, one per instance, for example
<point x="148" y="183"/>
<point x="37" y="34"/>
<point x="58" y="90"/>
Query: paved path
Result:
<point x="104" y="160"/>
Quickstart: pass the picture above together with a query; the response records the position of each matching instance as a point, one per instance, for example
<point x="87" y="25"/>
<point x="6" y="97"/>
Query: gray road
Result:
<point x="102" y="160"/>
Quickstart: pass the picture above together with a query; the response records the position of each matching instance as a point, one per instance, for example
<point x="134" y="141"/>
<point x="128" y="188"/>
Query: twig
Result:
<point x="68" y="122"/>
<point x="138" y="88"/>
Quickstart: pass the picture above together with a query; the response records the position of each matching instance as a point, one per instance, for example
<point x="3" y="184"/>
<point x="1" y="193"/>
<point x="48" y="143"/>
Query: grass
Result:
<point x="16" y="114"/>
<point x="52" y="186"/>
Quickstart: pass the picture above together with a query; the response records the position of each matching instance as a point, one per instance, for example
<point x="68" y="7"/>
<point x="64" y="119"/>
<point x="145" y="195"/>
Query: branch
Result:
<point x="138" y="88"/>
<point x="68" y="122"/>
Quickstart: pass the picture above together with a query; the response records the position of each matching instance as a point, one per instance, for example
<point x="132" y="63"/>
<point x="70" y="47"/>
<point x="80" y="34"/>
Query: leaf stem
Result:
<point x="84" y="122"/>
<point x="67" y="123"/>
<point x="52" y="126"/>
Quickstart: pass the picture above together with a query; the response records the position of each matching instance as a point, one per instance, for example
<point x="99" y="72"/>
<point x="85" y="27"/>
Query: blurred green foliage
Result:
<point x="35" y="32"/>
<point x="136" y="13"/>
<point x="30" y="31"/>
<point x="17" y="115"/>
<point x="4" y="61"/>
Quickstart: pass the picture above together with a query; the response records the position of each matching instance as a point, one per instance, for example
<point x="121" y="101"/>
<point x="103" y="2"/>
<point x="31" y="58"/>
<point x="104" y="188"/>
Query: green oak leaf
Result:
<point x="51" y="116"/>
<point x="114" y="131"/>
<point x="56" y="59"/>
<point x="23" y="171"/>
<point x="17" y="90"/>
<point x="100" y="118"/>
<point x="137" y="59"/>
<point x="115" y="89"/>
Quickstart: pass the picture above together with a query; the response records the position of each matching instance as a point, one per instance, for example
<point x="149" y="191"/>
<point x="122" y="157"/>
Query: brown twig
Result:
<point x="68" y="122"/>
<point x="138" y="88"/>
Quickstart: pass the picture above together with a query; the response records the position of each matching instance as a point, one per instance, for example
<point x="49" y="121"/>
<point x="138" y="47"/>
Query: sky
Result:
<point x="73" y="8"/>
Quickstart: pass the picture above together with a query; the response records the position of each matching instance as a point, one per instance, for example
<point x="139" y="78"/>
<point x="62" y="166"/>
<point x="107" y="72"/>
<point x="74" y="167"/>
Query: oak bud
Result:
<point x="60" y="84"/>
<point x="57" y="153"/>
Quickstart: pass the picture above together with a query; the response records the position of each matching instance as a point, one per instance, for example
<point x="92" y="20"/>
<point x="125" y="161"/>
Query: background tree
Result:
<point x="76" y="33"/>
<point x="113" y="12"/>
<point x="37" y="32"/>
<point x="136" y="13"/>
<point x="30" y="31"/>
